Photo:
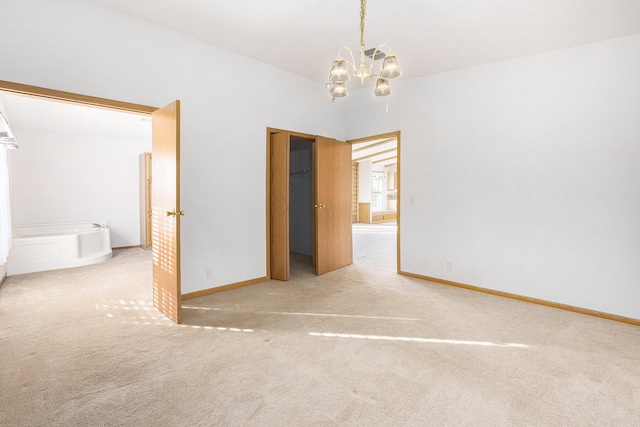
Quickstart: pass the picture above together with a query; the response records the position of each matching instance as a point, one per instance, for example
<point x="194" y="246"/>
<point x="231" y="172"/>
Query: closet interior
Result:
<point x="301" y="199"/>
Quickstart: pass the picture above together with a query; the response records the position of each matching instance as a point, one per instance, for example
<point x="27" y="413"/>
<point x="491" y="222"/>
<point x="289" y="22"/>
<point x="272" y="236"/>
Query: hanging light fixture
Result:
<point x="339" y="72"/>
<point x="7" y="139"/>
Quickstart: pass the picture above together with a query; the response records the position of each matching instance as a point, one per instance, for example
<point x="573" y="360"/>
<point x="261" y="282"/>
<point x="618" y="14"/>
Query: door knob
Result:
<point x="320" y="206"/>
<point x="171" y="213"/>
<point x="181" y="213"/>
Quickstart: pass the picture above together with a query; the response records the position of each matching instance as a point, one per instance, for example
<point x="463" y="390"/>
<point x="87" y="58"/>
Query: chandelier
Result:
<point x="7" y="139"/>
<point x="339" y="72"/>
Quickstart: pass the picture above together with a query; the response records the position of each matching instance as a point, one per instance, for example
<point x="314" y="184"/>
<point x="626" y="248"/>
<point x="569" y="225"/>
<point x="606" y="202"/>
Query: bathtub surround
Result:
<point x="56" y="246"/>
<point x="359" y="346"/>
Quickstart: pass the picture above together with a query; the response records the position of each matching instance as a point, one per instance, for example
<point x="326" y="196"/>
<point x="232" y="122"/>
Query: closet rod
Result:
<point x="300" y="171"/>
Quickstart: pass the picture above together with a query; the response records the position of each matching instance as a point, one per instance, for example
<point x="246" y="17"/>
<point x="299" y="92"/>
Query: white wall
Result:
<point x="526" y="173"/>
<point x="62" y="177"/>
<point x="228" y="101"/>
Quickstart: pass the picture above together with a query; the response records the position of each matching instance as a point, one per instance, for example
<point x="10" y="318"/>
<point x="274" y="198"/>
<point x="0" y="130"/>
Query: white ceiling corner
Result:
<point x="428" y="36"/>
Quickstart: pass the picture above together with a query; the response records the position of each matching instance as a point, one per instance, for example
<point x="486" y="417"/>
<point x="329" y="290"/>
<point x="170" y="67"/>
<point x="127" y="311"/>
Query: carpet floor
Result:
<point x="361" y="346"/>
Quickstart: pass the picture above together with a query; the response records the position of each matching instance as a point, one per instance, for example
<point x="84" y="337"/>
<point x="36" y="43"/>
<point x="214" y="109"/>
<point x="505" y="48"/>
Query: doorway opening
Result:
<point x="376" y="195"/>
<point x="301" y="204"/>
<point x="76" y="164"/>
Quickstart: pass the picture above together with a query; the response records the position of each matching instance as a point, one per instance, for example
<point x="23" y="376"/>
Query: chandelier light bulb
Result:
<point x="339" y="90"/>
<point x="382" y="87"/>
<point x="390" y="68"/>
<point x="338" y="71"/>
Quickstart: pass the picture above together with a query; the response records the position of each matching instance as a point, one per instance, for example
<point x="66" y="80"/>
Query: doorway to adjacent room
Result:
<point x="376" y="199"/>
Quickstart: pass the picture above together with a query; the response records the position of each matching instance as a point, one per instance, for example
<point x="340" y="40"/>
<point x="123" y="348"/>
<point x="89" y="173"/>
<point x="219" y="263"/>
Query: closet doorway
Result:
<point x="308" y="202"/>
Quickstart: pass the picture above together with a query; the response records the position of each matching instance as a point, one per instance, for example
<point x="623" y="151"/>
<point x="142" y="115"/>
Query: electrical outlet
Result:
<point x="449" y="266"/>
<point x="209" y="272"/>
<point x="412" y="200"/>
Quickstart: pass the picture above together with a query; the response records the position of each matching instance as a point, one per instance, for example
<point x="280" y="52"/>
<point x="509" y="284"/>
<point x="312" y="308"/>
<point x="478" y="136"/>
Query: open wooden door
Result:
<point x="332" y="202"/>
<point x="166" y="213"/>
<point x="279" y="208"/>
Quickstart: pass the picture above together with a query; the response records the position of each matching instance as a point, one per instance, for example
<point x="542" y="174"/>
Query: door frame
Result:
<point x="75" y="98"/>
<point x="396" y="135"/>
<point x="315" y="139"/>
<point x="278" y="151"/>
<point x="268" y="191"/>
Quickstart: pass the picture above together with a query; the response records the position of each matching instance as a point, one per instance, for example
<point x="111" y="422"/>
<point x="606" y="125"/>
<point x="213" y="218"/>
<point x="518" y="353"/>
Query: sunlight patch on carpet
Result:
<point x="414" y="339"/>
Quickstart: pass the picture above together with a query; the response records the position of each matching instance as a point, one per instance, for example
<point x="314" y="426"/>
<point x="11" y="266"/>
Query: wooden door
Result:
<point x="145" y="200"/>
<point x="166" y="213"/>
<point x="279" y="207"/>
<point x="332" y="202"/>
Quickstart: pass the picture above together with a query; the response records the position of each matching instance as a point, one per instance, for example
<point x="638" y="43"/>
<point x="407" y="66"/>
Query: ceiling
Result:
<point x="382" y="152"/>
<point x="428" y="36"/>
<point x="303" y="37"/>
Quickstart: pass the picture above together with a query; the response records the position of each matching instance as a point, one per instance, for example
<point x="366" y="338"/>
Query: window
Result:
<point x="378" y="190"/>
<point x="6" y="141"/>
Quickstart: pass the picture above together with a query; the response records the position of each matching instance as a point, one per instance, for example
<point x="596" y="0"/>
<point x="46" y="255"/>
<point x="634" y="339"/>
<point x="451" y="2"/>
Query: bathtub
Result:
<point x="50" y="247"/>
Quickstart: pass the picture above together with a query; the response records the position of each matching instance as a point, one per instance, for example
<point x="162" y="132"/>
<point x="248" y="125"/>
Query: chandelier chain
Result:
<point x="363" y="13"/>
<point x="361" y="68"/>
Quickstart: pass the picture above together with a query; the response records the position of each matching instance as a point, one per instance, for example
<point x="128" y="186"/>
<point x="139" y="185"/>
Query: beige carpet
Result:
<point x="361" y="346"/>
